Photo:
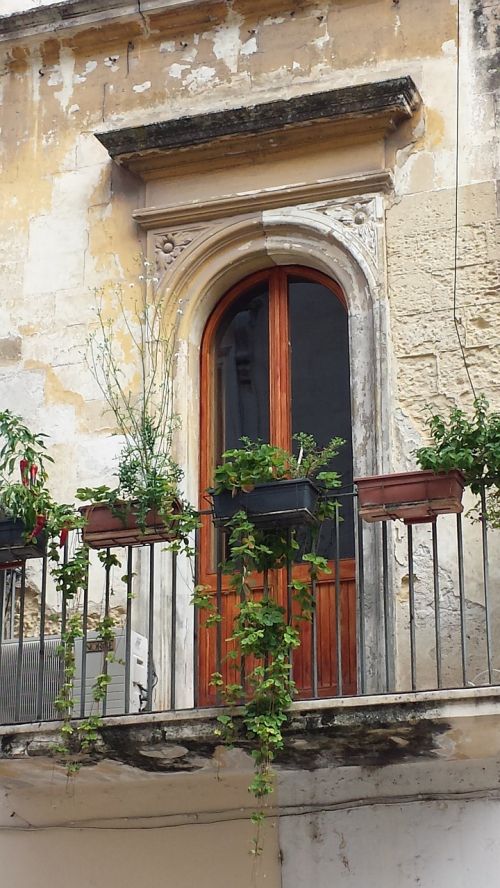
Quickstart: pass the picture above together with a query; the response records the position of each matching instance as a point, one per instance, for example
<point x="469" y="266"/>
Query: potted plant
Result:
<point x="464" y="452"/>
<point x="146" y="504"/>
<point x="30" y="519"/>
<point x="469" y="445"/>
<point x="271" y="485"/>
<point x="259" y="489"/>
<point x="414" y="497"/>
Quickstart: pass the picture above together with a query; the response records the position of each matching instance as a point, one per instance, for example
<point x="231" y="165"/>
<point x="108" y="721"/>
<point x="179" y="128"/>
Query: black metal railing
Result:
<point x="405" y="608"/>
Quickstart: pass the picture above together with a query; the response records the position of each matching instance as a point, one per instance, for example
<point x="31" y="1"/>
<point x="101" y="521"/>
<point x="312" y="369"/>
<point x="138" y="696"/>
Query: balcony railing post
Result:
<point x="41" y="651"/>
<point x="3" y="583"/>
<point x="107" y="592"/>
<point x="360" y="564"/>
<point x="20" y="645"/>
<point x="314" y="640"/>
<point x="85" y="628"/>
<point x="151" y="628"/>
<point x="486" y="582"/>
<point x="461" y="593"/>
<point x="437" y="613"/>
<point x="411" y="602"/>
<point x="219" y="535"/>
<point x="173" y="631"/>
<point x="289" y="595"/>
<point x="128" y="630"/>
<point x="338" y="603"/>
<point x="386" y="605"/>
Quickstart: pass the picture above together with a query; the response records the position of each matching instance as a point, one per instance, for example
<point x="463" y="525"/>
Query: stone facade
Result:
<point x="371" y="200"/>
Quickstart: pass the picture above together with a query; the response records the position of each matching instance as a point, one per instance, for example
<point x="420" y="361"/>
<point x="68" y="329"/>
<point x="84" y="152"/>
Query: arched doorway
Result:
<point x="275" y="361"/>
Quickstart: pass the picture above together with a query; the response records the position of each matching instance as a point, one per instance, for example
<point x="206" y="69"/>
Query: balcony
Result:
<point x="414" y="618"/>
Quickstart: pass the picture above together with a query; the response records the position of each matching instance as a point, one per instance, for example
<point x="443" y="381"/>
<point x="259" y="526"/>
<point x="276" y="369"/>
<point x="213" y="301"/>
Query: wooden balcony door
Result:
<point x="275" y="361"/>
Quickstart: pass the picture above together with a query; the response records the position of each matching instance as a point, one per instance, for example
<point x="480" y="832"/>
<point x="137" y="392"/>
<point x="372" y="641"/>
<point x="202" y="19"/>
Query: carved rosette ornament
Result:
<point x="167" y="247"/>
<point x="358" y="215"/>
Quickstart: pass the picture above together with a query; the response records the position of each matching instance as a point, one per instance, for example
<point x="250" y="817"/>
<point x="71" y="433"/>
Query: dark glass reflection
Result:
<point x="242" y="371"/>
<point x="319" y="341"/>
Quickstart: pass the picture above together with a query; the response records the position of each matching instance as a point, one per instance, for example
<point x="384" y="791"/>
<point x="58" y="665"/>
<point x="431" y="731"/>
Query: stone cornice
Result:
<point x="71" y="15"/>
<point x="378" y="106"/>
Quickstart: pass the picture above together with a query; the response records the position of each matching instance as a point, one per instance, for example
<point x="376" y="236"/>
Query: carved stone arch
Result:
<point x="312" y="236"/>
<point x="322" y="236"/>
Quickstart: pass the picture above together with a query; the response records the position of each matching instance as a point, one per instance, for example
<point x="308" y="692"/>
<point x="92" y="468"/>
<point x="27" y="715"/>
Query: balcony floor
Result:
<point x="372" y="731"/>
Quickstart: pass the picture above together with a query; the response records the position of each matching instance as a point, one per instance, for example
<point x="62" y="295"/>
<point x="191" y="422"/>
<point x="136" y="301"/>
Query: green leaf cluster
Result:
<point x="258" y="463"/>
<point x="263" y="633"/>
<point x="471" y="444"/>
<point x="24" y="495"/>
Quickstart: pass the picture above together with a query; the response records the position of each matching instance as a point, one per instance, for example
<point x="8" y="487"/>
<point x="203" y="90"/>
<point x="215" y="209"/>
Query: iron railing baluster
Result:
<point x="128" y="630"/>
<point x="41" y="650"/>
<point x="411" y="602"/>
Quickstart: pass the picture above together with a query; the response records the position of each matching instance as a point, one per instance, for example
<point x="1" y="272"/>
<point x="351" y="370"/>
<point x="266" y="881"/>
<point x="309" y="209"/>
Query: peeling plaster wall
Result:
<point x="65" y="217"/>
<point x="422" y="823"/>
<point x="66" y="211"/>
<point x="436" y="844"/>
<point x="67" y="228"/>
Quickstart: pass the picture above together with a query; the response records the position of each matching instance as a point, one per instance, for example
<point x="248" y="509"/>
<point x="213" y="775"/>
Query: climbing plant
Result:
<point x="70" y="578"/>
<point x="263" y="632"/>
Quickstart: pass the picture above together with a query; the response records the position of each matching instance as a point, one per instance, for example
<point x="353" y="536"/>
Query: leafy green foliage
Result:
<point x="83" y="736"/>
<point x="148" y="476"/>
<point x="71" y="576"/>
<point x="23" y="492"/>
<point x="20" y="443"/>
<point x="263" y="633"/>
<point x="258" y="463"/>
<point x="469" y="444"/>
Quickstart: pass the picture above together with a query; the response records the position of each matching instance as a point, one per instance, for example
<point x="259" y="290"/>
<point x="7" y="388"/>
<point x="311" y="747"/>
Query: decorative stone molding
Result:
<point x="270" y="198"/>
<point x="167" y="247"/>
<point x="358" y="215"/>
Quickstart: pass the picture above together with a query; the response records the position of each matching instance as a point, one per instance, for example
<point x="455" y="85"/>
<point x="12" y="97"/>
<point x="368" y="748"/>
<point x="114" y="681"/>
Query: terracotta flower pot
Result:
<point x="413" y="497"/>
<point x="107" y="529"/>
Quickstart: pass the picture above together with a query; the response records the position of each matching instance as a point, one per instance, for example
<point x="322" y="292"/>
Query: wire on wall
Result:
<point x="457" y="179"/>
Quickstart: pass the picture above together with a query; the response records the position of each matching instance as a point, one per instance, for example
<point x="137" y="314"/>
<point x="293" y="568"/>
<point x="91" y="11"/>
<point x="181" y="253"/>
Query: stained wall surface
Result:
<point x="67" y="229"/>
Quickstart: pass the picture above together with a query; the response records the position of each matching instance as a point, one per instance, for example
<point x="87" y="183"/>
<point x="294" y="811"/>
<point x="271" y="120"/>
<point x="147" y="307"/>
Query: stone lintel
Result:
<point x="368" y="107"/>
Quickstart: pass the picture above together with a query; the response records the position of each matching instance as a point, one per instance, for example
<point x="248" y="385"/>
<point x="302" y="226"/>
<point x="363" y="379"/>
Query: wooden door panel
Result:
<point x="302" y="659"/>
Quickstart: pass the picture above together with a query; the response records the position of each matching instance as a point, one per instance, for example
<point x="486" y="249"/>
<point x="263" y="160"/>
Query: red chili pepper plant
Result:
<point x="30" y="519"/>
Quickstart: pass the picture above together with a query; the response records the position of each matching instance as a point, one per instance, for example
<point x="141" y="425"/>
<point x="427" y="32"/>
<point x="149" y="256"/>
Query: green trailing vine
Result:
<point x="264" y="633"/>
<point x="82" y="736"/>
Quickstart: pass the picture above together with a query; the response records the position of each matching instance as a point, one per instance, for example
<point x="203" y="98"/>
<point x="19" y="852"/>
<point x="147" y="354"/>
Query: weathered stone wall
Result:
<point x="66" y="209"/>
<point x="66" y="212"/>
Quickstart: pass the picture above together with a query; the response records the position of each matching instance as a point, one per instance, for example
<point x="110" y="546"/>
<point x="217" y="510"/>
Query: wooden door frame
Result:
<point x="279" y="381"/>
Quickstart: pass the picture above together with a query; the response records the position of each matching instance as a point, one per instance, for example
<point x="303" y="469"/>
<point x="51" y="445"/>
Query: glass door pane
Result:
<point x="242" y="371"/>
<point x="319" y="344"/>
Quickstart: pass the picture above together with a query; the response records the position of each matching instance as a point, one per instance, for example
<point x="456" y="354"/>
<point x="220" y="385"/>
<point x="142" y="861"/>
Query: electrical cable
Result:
<point x="242" y="814"/>
<point x="457" y="173"/>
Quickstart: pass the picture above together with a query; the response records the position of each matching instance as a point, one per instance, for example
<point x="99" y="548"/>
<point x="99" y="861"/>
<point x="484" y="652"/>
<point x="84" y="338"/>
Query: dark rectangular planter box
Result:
<point x="283" y="503"/>
<point x="413" y="497"/>
<point x="13" y="545"/>
<point x="106" y="530"/>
